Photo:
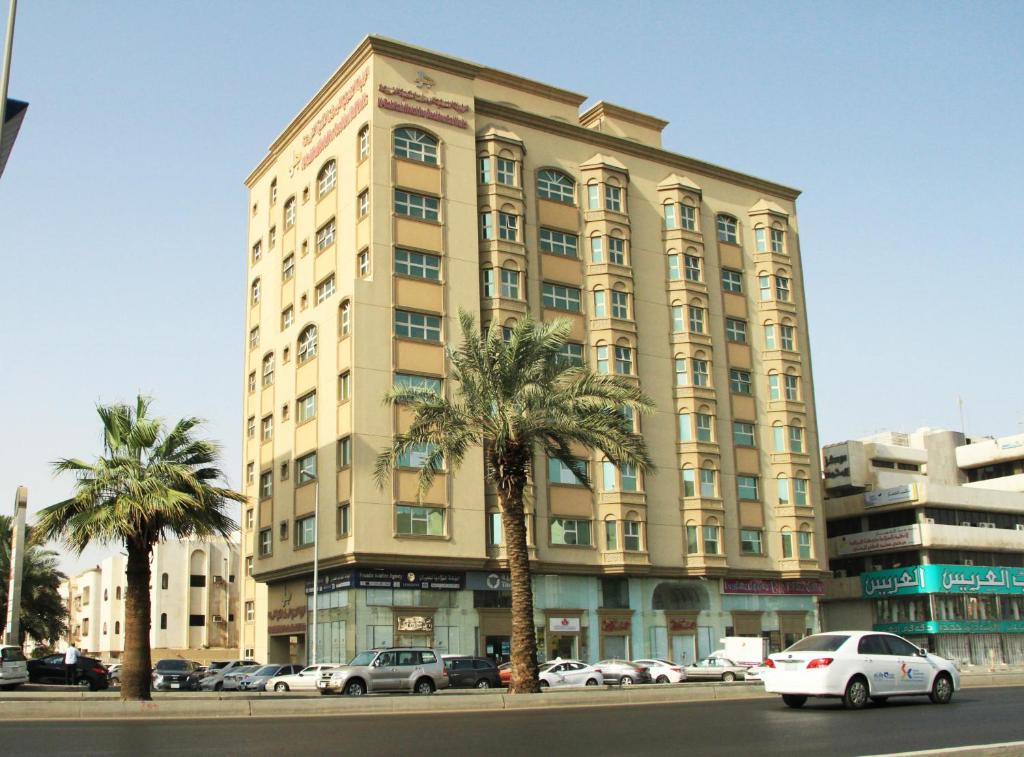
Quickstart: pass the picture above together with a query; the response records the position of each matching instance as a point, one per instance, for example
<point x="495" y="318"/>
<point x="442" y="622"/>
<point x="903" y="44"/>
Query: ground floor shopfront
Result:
<point x="584" y="617"/>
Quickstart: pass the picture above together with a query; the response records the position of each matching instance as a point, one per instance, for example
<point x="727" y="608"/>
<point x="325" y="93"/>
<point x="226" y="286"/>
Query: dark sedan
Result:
<point x="472" y="673"/>
<point x="172" y="674"/>
<point x="89" y="672"/>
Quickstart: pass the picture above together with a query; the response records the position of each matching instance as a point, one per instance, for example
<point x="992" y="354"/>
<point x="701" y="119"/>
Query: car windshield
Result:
<point x="172" y="665"/>
<point x="218" y="665"/>
<point x="546" y="666"/>
<point x="822" y="642"/>
<point x="363" y="658"/>
<point x="267" y="670"/>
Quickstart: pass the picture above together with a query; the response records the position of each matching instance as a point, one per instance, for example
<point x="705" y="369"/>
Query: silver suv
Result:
<point x="410" y="669"/>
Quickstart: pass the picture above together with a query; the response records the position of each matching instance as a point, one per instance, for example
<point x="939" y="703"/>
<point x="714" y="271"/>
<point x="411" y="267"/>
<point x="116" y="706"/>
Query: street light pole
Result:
<point x="13" y="620"/>
<point x="316" y="566"/>
<point x="5" y="72"/>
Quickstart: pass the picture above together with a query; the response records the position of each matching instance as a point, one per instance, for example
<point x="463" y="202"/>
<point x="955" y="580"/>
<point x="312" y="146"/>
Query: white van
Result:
<point x="13" y="668"/>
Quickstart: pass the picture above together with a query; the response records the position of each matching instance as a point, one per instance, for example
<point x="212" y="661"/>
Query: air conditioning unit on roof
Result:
<point x="965" y="523"/>
<point x="218" y="619"/>
<point x="1019" y="526"/>
<point x="986" y="524"/>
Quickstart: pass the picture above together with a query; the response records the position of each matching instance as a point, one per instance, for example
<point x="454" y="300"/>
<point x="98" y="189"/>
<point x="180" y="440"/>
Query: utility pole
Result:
<point x="12" y="626"/>
<point x="5" y="72"/>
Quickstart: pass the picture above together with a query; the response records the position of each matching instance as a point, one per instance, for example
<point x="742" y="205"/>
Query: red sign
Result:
<point x="612" y="625"/>
<point x="797" y="586"/>
<point x="682" y="624"/>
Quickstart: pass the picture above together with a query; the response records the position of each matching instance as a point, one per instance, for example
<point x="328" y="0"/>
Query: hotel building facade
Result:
<point x="415" y="185"/>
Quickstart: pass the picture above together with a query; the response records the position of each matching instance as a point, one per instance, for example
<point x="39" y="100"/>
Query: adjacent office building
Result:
<point x="926" y="539"/>
<point x="414" y="185"/>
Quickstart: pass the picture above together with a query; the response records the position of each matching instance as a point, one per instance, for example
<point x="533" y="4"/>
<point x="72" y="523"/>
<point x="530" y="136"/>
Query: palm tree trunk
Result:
<point x="524" y="640"/>
<point x="135" y="681"/>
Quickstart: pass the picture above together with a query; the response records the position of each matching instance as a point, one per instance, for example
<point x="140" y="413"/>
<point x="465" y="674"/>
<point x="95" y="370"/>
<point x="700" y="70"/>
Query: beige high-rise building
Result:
<point x="414" y="185"/>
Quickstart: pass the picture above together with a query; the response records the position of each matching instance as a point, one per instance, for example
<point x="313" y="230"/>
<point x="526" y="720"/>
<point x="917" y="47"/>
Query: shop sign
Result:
<point x="565" y="625"/>
<point x="952" y="626"/>
<point x="942" y="579"/>
<point x="287" y="618"/>
<point x="325" y="130"/>
<point x="793" y="586"/>
<point x="616" y="625"/>
<point x="479" y="580"/>
<point x="874" y="541"/>
<point x="414" y="623"/>
<point x="682" y="625"/>
<point x="422" y="104"/>
<point x="891" y="496"/>
<point x="388" y="578"/>
<point x="836" y="458"/>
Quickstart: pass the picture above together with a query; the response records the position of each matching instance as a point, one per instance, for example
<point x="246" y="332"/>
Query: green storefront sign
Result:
<point x="942" y="579"/>
<point x="953" y="626"/>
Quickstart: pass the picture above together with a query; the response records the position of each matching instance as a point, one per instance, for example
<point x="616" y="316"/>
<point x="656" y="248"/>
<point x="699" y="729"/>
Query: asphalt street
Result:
<point x="762" y="727"/>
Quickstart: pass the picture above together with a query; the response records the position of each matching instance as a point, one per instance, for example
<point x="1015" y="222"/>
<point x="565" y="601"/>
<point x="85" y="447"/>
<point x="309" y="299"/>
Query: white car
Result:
<point x="858" y="666"/>
<point x="13" y="667"/>
<point x="663" y="671"/>
<point x="561" y="672"/>
<point x="304" y="680"/>
<point x="232" y="681"/>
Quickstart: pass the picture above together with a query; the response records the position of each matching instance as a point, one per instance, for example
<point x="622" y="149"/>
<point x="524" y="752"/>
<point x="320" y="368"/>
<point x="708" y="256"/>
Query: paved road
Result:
<point x="761" y="727"/>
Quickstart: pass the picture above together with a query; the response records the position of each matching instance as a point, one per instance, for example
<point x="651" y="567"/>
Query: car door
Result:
<point x="877" y="664"/>
<point x="384" y="672"/>
<point x="913" y="672"/>
<point x="557" y="674"/>
<point x="53" y="670"/>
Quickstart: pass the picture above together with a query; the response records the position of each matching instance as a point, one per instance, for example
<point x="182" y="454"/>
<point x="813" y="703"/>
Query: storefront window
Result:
<point x="615" y="593"/>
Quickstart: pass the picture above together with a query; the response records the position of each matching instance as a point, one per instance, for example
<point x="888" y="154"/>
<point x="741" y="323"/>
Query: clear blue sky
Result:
<point x="122" y="210"/>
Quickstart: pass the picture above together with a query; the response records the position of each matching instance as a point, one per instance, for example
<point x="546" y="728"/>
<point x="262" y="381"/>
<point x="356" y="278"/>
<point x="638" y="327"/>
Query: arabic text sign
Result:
<point x="942" y="579"/>
<point x="388" y="578"/>
<point x="874" y="541"/>
<point x="891" y="496"/>
<point x="952" y="626"/>
<point x="801" y="586"/>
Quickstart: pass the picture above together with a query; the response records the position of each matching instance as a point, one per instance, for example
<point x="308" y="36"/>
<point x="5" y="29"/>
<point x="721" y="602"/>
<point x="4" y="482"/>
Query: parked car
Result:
<point x="623" y="672"/>
<point x="472" y="673"/>
<point x="559" y="672"/>
<point x="195" y="677"/>
<point x="412" y="669"/>
<point x="715" y="669"/>
<point x="257" y="679"/>
<point x="232" y="681"/>
<point x="755" y="672"/>
<point x="857" y="666"/>
<point x="213" y="680"/>
<point x="114" y="673"/>
<point x="13" y="667"/>
<point x="50" y="670"/>
<point x="172" y="674"/>
<point x="505" y="672"/>
<point x="662" y="671"/>
<point x="303" y="680"/>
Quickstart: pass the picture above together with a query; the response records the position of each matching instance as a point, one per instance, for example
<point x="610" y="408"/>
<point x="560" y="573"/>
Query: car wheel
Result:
<point x="880" y="700"/>
<point x="661" y="679"/>
<point x="483" y="683"/>
<point x="218" y="687"/>
<point x="355" y="689"/>
<point x="424" y="686"/>
<point x="626" y="681"/>
<point x="856" y="694"/>
<point x="942" y="689"/>
<point x="591" y="682"/>
<point x="728" y="677"/>
<point x="794" y="700"/>
<point x="282" y="686"/>
<point x="545" y="684"/>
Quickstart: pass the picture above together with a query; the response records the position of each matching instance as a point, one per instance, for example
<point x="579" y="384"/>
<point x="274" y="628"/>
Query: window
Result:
<point x="736" y="330"/>
<point x="268" y="369"/>
<point x="416" y="457"/>
<point x="509" y="284"/>
<point x="611" y="535"/>
<point x="727" y="229"/>
<point x="417" y="326"/>
<point x="760" y="240"/>
<point x="711" y="540"/>
<point x="305" y="531"/>
<point x="602" y="358"/>
<point x="414" y="144"/>
<point x="747" y="487"/>
<point x="508" y="226"/>
<point x="249" y="518"/>
<point x="782" y="289"/>
<point x="631" y="535"/>
<point x="701" y="375"/>
<point x="345" y="318"/>
<point x="685" y="427"/>
<point x="288" y="268"/>
<point x="570" y="355"/>
<point x="363" y="207"/>
<point x="287" y="317"/>
<point x="574" y="533"/>
<point x="628" y="477"/>
<point x="739" y="381"/>
<point x="783" y="490"/>
<point x="769" y="336"/>
<point x="558" y="243"/>
<point x="248" y="566"/>
<point x="326" y="179"/>
<point x="560" y="473"/>
<point x="732" y="281"/>
<point x="773" y="387"/>
<point x="620" y="305"/>
<point x="305" y="408"/>
<point x="764" y="284"/>
<point x="689" y="482"/>
<point x="788" y="337"/>
<point x="778" y="237"/>
<point x="750" y="541"/>
<point x="787" y="543"/>
<point x="272" y="236"/>
<point x="617" y="250"/>
<point x="555" y="185"/>
<point x="561" y="297"/>
<point x="164" y="581"/>
<point x="305" y="468"/>
<point x="307" y="344"/>
<point x="593" y="197"/>
<point x="345" y="452"/>
<point x="252" y="381"/>
<point x="680" y="371"/>
<point x="778" y="437"/>
<point x="692" y="267"/>
<point x="266" y="542"/>
<point x="429" y="383"/>
<point x="673" y="267"/>
<point x="608" y="476"/>
<point x="691" y="540"/>
<point x="485" y="170"/>
<point x="364" y="142"/>
<point x="623" y="360"/>
<point x="417" y="206"/>
<point x="250" y="473"/>
<point x="267" y="428"/>
<point x="708" y="484"/>
<point x="250" y="611"/>
<point x="596" y="250"/>
<point x="507" y="172"/>
<point x="743" y="434"/>
<point x="800" y="491"/>
<point x="117" y="627"/>
<point x="254" y="337"/>
<point x="487" y="226"/>
<point x="796" y="439"/>
<point x="284" y="411"/>
<point x="344" y="386"/>
<point x="803" y="543"/>
<point x="251" y="427"/>
<point x="705" y="423"/>
<point x="266" y="484"/>
<point x="670" y="215"/>
<point x="419" y="521"/>
<point x="257" y="252"/>
<point x="254" y="292"/>
<point x="792" y="388"/>
<point x="363" y="263"/>
<point x="163" y="622"/>
<point x="344" y="512"/>
<point x="273" y="191"/>
<point x="419" y="265"/>
<point x="613" y="198"/>
<point x="289" y="213"/>
<point x="325" y="236"/>
<point x="696" y="318"/>
<point x="688" y="217"/>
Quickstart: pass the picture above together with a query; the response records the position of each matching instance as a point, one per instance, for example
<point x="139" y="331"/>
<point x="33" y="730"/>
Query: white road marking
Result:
<point x="1017" y="746"/>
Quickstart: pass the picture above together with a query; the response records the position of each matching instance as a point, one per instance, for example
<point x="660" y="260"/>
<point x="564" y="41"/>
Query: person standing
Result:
<point x="71" y="665"/>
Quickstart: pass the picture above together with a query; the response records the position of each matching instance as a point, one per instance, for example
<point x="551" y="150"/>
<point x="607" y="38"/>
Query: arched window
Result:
<point x="105" y="596"/>
<point x="163" y="621"/>
<point x="414" y="144"/>
<point x="117" y="627"/>
<point x="804" y="542"/>
<point x="273" y="191"/>
<point x="327" y="178"/>
<point x="289" y="212"/>
<point x="712" y="537"/>
<point x="787" y="543"/>
<point x="364" y="142"/>
<point x="307" y="343"/>
<point x="104" y="629"/>
<point x="555" y="185"/>
<point x="268" y="369"/>
<point x="611" y="533"/>
<point x="727" y="229"/>
<point x="117" y="593"/>
<point x="345" y="318"/>
<point x="708" y="481"/>
<point x="783" y="489"/>
<point x="631" y="540"/>
<point x="689" y="481"/>
<point x="254" y="292"/>
<point x="165" y="581"/>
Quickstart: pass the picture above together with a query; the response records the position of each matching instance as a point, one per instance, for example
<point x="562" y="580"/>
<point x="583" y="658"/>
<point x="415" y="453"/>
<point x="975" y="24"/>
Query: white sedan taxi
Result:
<point x="858" y="666"/>
<point x="560" y="672"/>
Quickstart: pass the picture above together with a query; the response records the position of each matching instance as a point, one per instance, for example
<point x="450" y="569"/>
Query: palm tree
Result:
<point x="517" y="397"/>
<point x="151" y="483"/>
<point x="43" y="613"/>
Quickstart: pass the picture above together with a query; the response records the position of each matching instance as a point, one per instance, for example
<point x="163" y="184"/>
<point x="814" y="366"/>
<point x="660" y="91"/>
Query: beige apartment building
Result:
<point x="414" y="185"/>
